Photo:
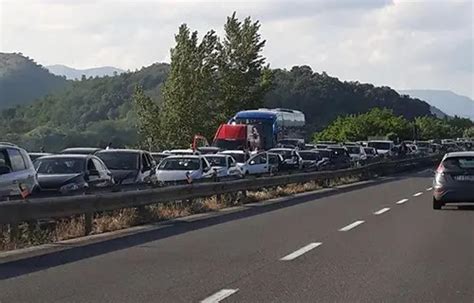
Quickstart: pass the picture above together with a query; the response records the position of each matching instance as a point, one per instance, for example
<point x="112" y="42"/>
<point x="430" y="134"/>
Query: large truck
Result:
<point x="260" y="129"/>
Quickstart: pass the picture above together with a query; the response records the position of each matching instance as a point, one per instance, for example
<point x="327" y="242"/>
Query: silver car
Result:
<point x="17" y="173"/>
<point x="454" y="179"/>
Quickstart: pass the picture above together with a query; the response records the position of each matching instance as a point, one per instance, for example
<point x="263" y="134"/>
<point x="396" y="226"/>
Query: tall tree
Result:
<point x="244" y="77"/>
<point x="147" y="119"/>
<point x="189" y="90"/>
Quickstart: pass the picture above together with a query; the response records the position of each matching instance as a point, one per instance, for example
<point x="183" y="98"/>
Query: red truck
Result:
<point x="237" y="137"/>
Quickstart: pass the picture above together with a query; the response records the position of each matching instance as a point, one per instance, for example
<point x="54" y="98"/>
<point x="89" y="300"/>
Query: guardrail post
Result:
<point x="87" y="223"/>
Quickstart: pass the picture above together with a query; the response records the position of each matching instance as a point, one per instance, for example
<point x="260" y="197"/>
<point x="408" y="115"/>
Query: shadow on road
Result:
<point x="77" y="253"/>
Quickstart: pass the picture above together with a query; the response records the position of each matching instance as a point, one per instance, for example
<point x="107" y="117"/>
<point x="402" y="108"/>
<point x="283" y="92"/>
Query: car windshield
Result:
<point x="217" y="161"/>
<point x="353" y="149"/>
<point x="380" y="145"/>
<point x="179" y="164"/>
<point x="239" y="157"/>
<point x="459" y="163"/>
<point x="287" y="154"/>
<point x="310" y="155"/>
<point x="120" y="160"/>
<point x="60" y="166"/>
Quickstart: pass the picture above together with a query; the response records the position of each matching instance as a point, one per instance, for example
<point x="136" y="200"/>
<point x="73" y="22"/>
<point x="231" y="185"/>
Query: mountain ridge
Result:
<point x="447" y="101"/>
<point x="22" y="80"/>
<point x="76" y="74"/>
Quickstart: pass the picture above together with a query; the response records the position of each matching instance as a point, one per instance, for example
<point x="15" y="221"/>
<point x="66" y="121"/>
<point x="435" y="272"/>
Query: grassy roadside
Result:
<point x="73" y="227"/>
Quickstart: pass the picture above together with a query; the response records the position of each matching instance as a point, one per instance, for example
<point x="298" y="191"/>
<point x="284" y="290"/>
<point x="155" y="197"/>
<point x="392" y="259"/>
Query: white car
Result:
<point x="183" y="169"/>
<point x="182" y="152"/>
<point x="357" y="153"/>
<point x="239" y="156"/>
<point x="262" y="163"/>
<point x="18" y="176"/>
<point x="383" y="147"/>
<point x="225" y="166"/>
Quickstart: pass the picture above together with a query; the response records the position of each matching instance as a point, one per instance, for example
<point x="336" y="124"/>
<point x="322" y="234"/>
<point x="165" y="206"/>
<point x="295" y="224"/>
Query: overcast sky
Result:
<point x="403" y="44"/>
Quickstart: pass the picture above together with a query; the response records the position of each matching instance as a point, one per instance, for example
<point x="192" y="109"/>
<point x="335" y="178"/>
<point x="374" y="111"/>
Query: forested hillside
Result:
<point x="91" y="112"/>
<point x="323" y="98"/>
<point x="96" y="111"/>
<point x="22" y="80"/>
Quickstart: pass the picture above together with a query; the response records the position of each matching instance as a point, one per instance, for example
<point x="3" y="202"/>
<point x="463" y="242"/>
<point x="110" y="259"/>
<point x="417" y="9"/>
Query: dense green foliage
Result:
<point x="323" y="98"/>
<point x="383" y="123"/>
<point x="91" y="112"/>
<point x="469" y="132"/>
<point x="22" y="80"/>
<point x="211" y="80"/>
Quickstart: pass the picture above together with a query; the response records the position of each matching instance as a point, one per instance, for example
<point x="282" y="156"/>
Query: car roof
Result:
<point x="138" y="151"/>
<point x="233" y="151"/>
<point x="69" y="156"/>
<point x="459" y="154"/>
<point x="181" y="150"/>
<point x="81" y="148"/>
<point x="216" y="155"/>
<point x="184" y="157"/>
<point x="282" y="149"/>
<point x="380" y="141"/>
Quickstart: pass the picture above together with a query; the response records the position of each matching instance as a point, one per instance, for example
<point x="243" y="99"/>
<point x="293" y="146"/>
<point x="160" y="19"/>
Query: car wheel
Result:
<point x="437" y="204"/>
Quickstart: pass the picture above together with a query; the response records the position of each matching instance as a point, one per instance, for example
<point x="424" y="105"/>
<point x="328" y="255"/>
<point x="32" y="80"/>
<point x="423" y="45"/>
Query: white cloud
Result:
<point x="404" y="44"/>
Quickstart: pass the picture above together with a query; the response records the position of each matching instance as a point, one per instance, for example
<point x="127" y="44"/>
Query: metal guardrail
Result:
<point x="15" y="212"/>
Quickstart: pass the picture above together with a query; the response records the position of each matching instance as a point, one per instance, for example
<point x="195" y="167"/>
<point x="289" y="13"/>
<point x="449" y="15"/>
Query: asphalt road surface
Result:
<point x="377" y="243"/>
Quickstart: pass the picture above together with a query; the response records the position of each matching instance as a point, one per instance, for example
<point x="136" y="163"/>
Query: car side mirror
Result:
<point x="5" y="170"/>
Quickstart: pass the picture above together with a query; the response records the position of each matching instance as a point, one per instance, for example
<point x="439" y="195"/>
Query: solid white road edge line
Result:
<point x="402" y="201"/>
<point x="301" y="251"/>
<point x="383" y="210"/>
<point x="351" y="226"/>
<point x="429" y="189"/>
<point x="220" y="295"/>
<point x="417" y="194"/>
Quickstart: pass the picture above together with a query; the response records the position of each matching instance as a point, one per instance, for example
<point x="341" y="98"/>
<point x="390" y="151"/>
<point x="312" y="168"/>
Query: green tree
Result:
<point x="189" y="90"/>
<point x="434" y="128"/>
<point x="147" y="119"/>
<point x="469" y="132"/>
<point x="244" y="78"/>
<point x="376" y="122"/>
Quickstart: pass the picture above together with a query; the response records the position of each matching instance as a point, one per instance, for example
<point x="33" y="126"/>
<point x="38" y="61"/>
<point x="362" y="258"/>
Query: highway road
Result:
<point x="376" y="243"/>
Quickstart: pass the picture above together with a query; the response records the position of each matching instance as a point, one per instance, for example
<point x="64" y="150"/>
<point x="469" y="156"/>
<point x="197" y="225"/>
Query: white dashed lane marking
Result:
<point x="429" y="189"/>
<point x="301" y="251"/>
<point x="220" y="295"/>
<point x="351" y="226"/>
<point x="417" y="194"/>
<point x="402" y="201"/>
<point x="383" y="210"/>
